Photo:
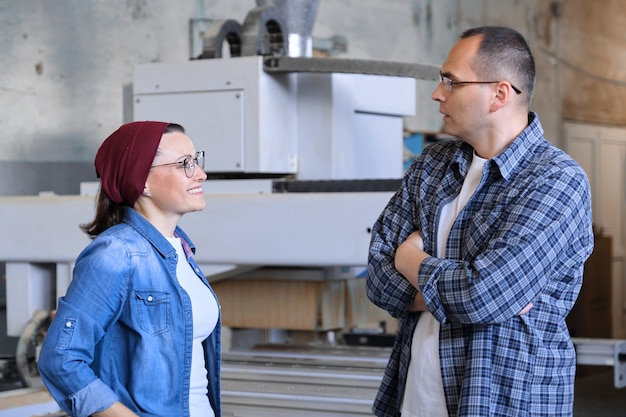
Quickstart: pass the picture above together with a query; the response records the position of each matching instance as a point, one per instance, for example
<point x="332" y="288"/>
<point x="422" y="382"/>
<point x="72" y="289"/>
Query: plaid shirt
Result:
<point x="523" y="236"/>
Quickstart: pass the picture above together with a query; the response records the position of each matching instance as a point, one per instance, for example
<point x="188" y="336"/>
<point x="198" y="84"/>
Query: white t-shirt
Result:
<point x="205" y="313"/>
<point x="423" y="395"/>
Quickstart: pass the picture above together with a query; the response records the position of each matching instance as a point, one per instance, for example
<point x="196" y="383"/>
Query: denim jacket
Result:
<point x="123" y="331"/>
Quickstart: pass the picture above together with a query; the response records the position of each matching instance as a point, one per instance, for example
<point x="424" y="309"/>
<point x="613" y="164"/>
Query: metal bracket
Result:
<point x="197" y="29"/>
<point x="607" y="352"/>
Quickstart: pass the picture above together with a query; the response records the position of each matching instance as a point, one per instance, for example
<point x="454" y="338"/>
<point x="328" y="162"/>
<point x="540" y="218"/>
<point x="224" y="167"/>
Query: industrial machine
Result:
<point x="302" y="154"/>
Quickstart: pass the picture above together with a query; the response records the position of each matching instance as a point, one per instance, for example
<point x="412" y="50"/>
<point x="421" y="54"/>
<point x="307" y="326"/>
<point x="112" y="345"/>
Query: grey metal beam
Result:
<point x="283" y="64"/>
<point x="605" y="352"/>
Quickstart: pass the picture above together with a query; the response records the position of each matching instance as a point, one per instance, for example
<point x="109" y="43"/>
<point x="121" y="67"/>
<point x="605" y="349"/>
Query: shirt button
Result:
<point x="150" y="298"/>
<point x="68" y="324"/>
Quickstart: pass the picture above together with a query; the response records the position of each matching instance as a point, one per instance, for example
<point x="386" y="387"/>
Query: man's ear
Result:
<point x="502" y="95"/>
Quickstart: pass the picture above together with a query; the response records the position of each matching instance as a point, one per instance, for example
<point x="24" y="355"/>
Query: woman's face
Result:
<point x="169" y="192"/>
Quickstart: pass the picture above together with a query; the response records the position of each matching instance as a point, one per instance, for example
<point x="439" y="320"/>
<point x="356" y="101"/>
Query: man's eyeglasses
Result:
<point x="448" y="83"/>
<point x="188" y="164"/>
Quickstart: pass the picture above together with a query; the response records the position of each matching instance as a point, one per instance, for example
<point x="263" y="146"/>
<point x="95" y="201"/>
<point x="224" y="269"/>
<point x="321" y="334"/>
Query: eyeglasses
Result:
<point x="448" y="83"/>
<point x="188" y="164"/>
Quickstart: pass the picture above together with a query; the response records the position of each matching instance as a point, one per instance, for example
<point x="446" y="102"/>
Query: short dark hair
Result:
<point x="174" y="127"/>
<point x="504" y="54"/>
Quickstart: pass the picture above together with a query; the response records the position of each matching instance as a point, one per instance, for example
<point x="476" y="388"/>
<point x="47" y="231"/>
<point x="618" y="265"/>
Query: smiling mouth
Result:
<point x="197" y="190"/>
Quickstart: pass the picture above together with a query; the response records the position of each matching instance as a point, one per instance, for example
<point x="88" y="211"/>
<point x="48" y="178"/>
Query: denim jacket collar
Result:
<point x="152" y="235"/>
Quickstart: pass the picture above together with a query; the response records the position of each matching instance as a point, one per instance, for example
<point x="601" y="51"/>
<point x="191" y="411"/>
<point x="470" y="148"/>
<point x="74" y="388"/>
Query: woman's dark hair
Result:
<point x="504" y="54"/>
<point x="108" y="212"/>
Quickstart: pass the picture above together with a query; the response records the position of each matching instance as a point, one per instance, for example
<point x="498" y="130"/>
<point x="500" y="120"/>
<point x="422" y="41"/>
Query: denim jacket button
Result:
<point x="68" y="324"/>
<point x="150" y="298"/>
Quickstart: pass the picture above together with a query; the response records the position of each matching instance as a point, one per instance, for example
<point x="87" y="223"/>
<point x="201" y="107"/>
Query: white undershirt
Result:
<point x="205" y="313"/>
<point x="423" y="395"/>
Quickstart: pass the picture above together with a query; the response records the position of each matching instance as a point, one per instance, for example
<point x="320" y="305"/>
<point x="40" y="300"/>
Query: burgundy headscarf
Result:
<point x="124" y="159"/>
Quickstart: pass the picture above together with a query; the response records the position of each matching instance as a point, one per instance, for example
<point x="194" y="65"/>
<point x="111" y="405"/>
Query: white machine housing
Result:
<point x="310" y="125"/>
<point x="250" y="123"/>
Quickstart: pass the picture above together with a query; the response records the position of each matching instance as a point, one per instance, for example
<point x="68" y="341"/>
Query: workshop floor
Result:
<point x="596" y="396"/>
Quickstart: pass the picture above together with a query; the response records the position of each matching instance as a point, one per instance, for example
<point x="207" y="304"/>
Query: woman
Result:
<point x="138" y="332"/>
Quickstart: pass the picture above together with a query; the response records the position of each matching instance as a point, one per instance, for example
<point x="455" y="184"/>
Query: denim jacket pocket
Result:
<point x="153" y="308"/>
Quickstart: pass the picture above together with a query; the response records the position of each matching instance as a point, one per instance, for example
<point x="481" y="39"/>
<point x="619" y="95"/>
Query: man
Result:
<point x="480" y="252"/>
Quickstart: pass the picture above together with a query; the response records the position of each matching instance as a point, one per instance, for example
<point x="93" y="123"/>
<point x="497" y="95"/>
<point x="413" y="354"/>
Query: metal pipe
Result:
<point x="299" y="16"/>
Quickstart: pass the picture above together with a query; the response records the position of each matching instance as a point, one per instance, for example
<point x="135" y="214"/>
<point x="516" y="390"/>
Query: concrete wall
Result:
<point x="591" y="57"/>
<point x="67" y="65"/>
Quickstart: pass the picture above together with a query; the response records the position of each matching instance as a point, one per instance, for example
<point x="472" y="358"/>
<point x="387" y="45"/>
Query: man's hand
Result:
<point x="525" y="309"/>
<point x="409" y="257"/>
<point x="414" y="239"/>
<point x="418" y="302"/>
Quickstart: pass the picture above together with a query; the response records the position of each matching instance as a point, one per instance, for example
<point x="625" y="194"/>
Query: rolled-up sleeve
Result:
<point x="92" y="302"/>
<point x="386" y="287"/>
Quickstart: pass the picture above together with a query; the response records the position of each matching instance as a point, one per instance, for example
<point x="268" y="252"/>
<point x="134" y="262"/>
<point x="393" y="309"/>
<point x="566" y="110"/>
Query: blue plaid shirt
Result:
<point x="522" y="237"/>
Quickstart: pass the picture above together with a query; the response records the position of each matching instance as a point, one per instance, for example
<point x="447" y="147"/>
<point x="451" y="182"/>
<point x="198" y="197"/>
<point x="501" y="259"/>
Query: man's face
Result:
<point x="465" y="107"/>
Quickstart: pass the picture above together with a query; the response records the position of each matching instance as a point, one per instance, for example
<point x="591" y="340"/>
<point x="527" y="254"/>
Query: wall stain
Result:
<point x="138" y="9"/>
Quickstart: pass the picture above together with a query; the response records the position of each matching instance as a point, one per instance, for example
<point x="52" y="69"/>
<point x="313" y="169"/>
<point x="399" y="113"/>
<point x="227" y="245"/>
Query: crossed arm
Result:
<point x="407" y="261"/>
